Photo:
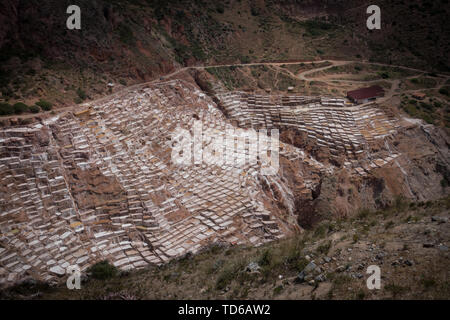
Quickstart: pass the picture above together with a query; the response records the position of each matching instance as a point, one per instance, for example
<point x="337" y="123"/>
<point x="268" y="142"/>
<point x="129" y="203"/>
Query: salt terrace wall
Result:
<point x="328" y="122"/>
<point x="99" y="184"/>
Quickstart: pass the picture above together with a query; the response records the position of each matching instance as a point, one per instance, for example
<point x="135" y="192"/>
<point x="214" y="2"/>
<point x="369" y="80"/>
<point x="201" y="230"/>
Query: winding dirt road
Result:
<point x="300" y="76"/>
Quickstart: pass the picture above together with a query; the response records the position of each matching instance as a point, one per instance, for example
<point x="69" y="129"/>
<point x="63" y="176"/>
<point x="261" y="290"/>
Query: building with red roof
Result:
<point x="364" y="95"/>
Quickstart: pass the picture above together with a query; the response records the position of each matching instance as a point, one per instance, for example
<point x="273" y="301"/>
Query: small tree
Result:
<point x="6" y="109"/>
<point x="220" y="8"/>
<point x="45" y="105"/>
<point x="35" y="109"/>
<point x="20" y="108"/>
<point x="81" y="94"/>
<point x="443" y="91"/>
<point x="103" y="270"/>
<point x="254" y="12"/>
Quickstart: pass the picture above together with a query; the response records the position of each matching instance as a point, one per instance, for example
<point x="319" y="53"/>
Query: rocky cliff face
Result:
<point x="417" y="174"/>
<point x="371" y="158"/>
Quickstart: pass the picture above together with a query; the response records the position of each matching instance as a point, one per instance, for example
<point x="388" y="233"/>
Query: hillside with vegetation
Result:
<point x="125" y="42"/>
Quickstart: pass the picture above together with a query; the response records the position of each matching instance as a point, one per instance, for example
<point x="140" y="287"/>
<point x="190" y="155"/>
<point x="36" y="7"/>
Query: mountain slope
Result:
<point x="130" y="41"/>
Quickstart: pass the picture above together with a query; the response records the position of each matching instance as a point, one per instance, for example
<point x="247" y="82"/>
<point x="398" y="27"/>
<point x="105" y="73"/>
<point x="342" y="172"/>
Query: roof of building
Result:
<point x="419" y="94"/>
<point x="365" y="93"/>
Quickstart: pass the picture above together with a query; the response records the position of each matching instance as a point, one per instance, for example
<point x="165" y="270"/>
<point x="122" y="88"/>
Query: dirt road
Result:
<point x="301" y="76"/>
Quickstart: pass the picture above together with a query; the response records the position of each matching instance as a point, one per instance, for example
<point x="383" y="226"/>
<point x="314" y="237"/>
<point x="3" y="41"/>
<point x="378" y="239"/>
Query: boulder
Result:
<point x="253" y="267"/>
<point x="300" y="277"/>
<point x="310" y="267"/>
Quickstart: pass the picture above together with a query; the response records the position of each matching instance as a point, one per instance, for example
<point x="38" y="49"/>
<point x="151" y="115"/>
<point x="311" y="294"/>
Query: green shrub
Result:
<point x="363" y="213"/>
<point x="254" y="12"/>
<point x="428" y="282"/>
<point x="180" y="15"/>
<point x="400" y="204"/>
<point x="428" y="118"/>
<point x="425" y="107"/>
<point x="34" y="109"/>
<point x="324" y="248"/>
<point x="126" y="34"/>
<point x="316" y="27"/>
<point x="45" y="105"/>
<point x="389" y="224"/>
<point x="81" y="94"/>
<point x="225" y="278"/>
<point x="443" y="91"/>
<point x="220" y="8"/>
<point x="6" y="109"/>
<point x="245" y="59"/>
<point x="20" y="108"/>
<point x="103" y="270"/>
<point x="395" y="289"/>
<point x="265" y="258"/>
<point x="277" y="290"/>
<point x="321" y="230"/>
